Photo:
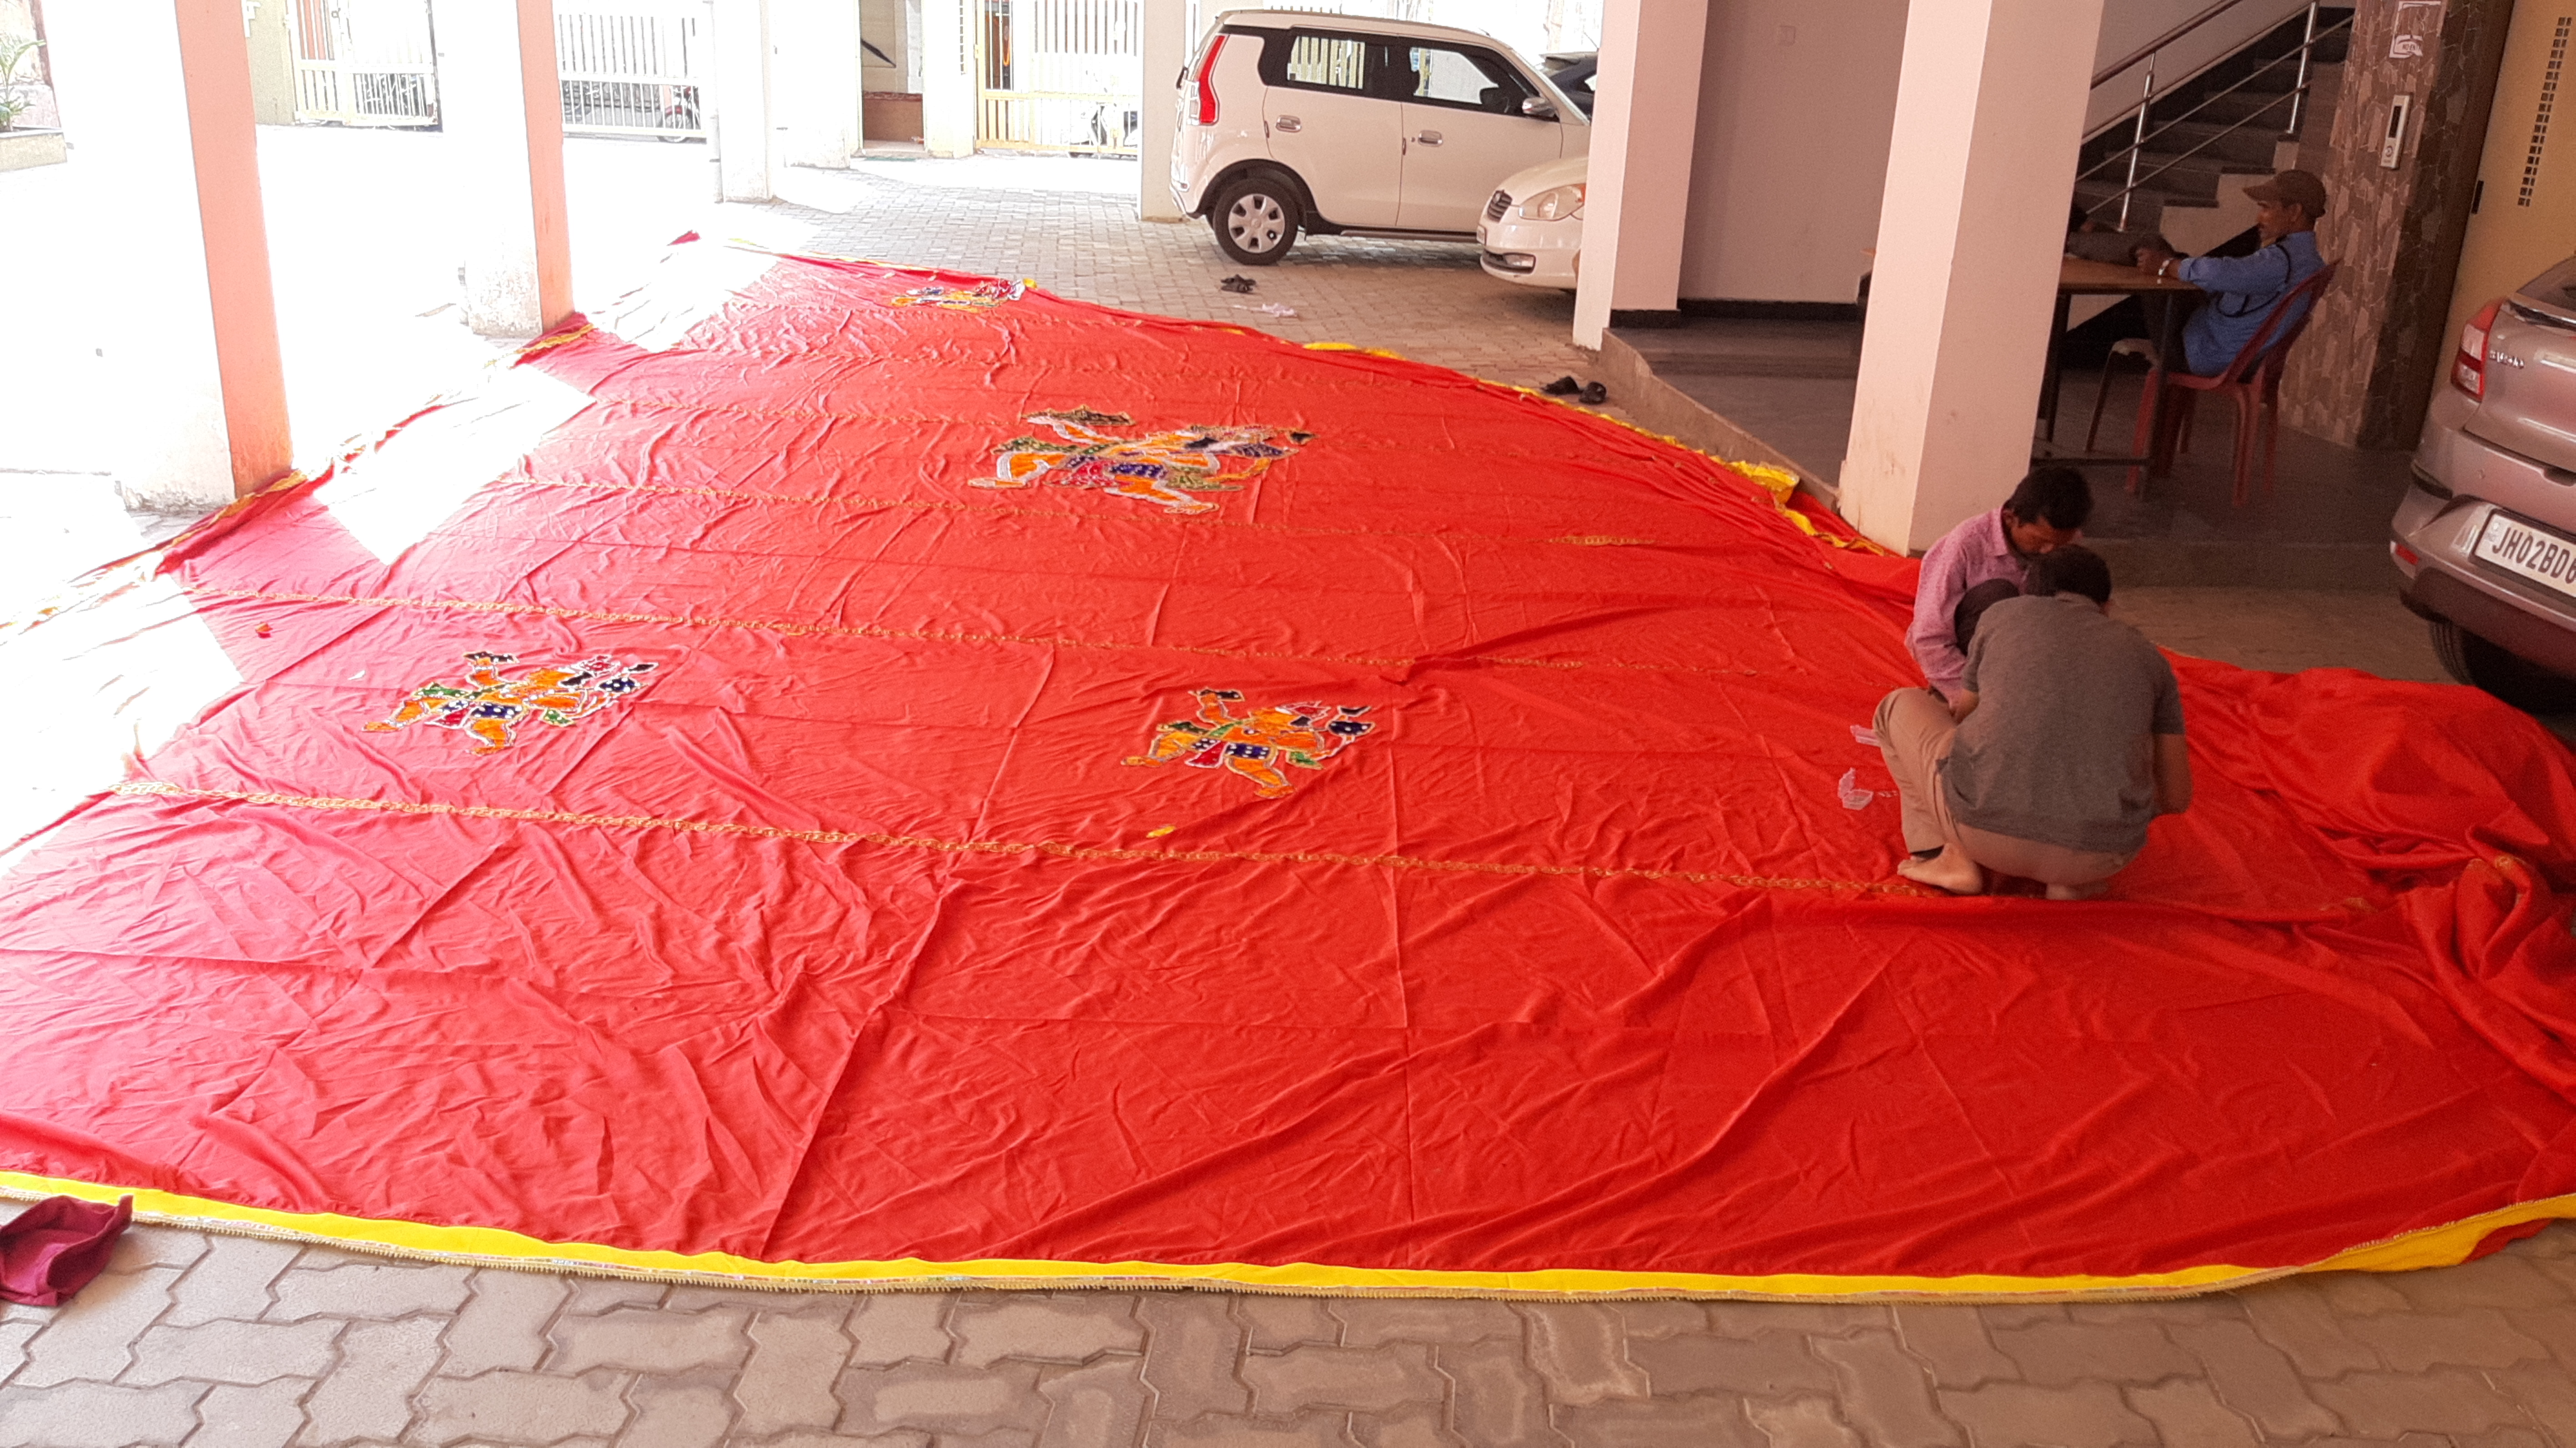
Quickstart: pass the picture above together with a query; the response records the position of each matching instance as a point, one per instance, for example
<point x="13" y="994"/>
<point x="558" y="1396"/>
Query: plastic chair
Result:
<point x="2252" y="381"/>
<point x="2138" y="347"/>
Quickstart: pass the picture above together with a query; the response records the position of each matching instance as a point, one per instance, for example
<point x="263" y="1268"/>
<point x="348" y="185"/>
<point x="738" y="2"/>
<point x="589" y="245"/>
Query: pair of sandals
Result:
<point x="1590" y="394"/>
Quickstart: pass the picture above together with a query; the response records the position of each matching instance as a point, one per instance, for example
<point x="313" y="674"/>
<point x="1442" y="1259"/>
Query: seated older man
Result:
<point x="2243" y="290"/>
<point x="2064" y="740"/>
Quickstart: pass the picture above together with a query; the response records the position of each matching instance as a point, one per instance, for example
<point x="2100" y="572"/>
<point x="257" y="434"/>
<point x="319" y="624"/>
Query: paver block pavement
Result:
<point x="1580" y="1350"/>
<point x="2255" y="1378"/>
<point x="895" y="1327"/>
<point x="503" y="1322"/>
<point x="2188" y="1412"/>
<point x="1496" y="1399"/>
<point x="98" y="1415"/>
<point x="2477" y="1338"/>
<point x="2055" y="1354"/>
<point x="144" y="1245"/>
<point x="367" y="1289"/>
<point x="230" y="1280"/>
<point x="2447" y="1400"/>
<point x="1803" y="1423"/>
<point x="1752" y="1319"/>
<point x="13" y="1344"/>
<point x="2019" y="1415"/>
<point x="2499" y="1279"/>
<point x="1363" y="1380"/>
<point x="1370" y="1322"/>
<point x="677" y="1417"/>
<point x="1886" y="1393"/>
<point x="505" y="1407"/>
<point x="1701" y="1422"/>
<point x="1277" y="1324"/>
<point x="266" y="1416"/>
<point x="788" y="1382"/>
<point x="1776" y="1365"/>
<point x="938" y="1398"/>
<point x="1315" y="1430"/>
<point x="649" y="1341"/>
<point x="1074" y="1328"/>
<point x="92" y="1337"/>
<point x="1647" y="1320"/>
<point x="1952" y="1341"/>
<point x="2295" y="1317"/>
<point x="1100" y="1406"/>
<point x="1191" y="1345"/>
<point x="1412" y="1430"/>
<point x="247" y="1353"/>
<point x="369" y="1396"/>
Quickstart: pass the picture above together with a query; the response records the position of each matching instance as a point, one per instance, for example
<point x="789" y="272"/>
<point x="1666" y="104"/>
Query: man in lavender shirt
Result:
<point x="1984" y="560"/>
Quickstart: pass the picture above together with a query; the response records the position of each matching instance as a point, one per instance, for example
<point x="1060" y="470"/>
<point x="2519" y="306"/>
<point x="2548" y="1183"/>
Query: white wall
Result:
<point x="1797" y="98"/>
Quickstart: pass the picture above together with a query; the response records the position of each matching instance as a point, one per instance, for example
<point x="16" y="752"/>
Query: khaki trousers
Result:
<point x="1915" y="732"/>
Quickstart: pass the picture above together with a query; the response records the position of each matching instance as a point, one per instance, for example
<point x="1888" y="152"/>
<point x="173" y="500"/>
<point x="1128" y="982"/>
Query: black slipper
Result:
<point x="1235" y="284"/>
<point x="1562" y="387"/>
<point x="1593" y="394"/>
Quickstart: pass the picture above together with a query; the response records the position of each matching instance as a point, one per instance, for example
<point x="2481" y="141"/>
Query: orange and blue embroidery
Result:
<point x="492" y="701"/>
<point x="1166" y="468"/>
<point x="1258" y="744"/>
<point x="981" y="297"/>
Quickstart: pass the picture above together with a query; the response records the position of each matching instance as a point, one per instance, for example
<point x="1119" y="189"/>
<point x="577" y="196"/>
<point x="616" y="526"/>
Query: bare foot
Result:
<point x="2078" y="892"/>
<point x="1949" y="870"/>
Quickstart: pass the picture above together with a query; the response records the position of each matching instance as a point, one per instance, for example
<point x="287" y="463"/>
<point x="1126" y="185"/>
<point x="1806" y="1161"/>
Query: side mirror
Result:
<point x="1540" y="107"/>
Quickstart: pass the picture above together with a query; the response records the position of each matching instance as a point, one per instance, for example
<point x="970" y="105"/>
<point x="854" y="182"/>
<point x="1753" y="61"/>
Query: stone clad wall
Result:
<point x="2364" y="372"/>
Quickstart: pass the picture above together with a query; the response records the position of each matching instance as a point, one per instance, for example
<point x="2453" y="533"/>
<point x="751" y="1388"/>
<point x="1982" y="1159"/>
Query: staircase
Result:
<point x="2249" y="113"/>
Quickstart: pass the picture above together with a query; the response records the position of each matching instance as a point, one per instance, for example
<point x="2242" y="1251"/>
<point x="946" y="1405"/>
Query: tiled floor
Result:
<point x="222" y="1342"/>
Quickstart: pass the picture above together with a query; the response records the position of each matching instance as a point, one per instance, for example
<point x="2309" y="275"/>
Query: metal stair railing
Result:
<point x="2137" y="117"/>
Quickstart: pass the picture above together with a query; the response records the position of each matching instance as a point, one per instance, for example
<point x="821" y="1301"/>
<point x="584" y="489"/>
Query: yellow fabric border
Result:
<point x="2441" y="1246"/>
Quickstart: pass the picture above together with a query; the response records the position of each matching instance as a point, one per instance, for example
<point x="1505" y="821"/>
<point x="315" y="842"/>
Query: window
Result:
<point x="1476" y="80"/>
<point x="1312" y="61"/>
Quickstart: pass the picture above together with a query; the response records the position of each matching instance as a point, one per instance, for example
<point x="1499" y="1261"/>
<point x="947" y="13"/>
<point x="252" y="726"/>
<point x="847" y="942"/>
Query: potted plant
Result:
<point x="22" y="145"/>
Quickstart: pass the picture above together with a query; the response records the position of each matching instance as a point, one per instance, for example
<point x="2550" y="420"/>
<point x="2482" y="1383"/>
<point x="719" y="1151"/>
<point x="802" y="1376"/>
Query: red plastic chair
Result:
<point x="2252" y="381"/>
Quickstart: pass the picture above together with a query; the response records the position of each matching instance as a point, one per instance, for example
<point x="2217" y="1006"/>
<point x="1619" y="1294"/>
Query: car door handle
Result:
<point x="1290" y="124"/>
<point x="1429" y="138"/>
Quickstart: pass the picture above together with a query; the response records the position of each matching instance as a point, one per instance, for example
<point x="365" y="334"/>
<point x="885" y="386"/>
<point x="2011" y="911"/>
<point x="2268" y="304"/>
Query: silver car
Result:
<point x="2487" y="536"/>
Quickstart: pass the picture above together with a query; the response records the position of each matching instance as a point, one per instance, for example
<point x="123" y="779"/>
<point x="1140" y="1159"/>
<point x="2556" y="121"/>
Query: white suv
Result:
<point x="1347" y="126"/>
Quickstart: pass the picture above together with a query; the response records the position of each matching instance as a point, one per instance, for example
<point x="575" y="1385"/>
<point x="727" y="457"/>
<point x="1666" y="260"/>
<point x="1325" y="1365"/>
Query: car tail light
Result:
<point x="2406" y="555"/>
<point x="2469" y="369"/>
<point x="1206" y="115"/>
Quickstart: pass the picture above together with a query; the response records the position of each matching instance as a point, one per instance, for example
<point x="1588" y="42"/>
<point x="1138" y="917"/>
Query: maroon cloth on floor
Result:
<point x="55" y="1247"/>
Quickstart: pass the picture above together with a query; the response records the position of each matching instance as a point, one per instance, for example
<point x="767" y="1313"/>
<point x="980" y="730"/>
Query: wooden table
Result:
<point x="2076" y="278"/>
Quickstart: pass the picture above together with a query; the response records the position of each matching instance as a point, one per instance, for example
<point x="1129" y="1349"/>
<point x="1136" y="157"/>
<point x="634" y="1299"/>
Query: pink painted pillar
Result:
<point x="156" y="102"/>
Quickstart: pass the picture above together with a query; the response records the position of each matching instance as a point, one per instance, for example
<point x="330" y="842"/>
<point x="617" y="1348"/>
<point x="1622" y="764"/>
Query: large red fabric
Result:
<point x="917" y="903"/>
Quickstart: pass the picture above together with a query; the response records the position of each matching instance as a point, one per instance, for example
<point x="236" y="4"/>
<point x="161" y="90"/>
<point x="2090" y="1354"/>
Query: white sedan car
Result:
<point x="1532" y="231"/>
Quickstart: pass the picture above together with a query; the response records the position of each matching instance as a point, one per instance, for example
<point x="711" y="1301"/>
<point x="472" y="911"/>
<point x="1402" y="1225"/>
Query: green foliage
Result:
<point x="14" y="97"/>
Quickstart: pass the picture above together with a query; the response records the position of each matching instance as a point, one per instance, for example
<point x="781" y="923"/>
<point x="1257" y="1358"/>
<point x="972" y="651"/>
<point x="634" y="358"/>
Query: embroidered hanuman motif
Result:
<point x="492" y="701"/>
<point x="1165" y="468"/>
<point x="981" y="297"/>
<point x="1256" y="743"/>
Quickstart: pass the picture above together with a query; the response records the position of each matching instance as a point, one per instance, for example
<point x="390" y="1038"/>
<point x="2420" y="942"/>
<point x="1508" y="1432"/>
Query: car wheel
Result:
<point x="1256" y="219"/>
<point x="2519" y="682"/>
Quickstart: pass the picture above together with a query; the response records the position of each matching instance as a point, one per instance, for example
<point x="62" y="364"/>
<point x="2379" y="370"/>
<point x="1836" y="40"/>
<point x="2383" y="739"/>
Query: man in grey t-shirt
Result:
<point x="2064" y="741"/>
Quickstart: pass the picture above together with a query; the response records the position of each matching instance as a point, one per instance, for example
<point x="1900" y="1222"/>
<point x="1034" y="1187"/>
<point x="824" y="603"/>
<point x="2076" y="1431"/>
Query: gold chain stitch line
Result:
<point x="954" y="636"/>
<point x="926" y="505"/>
<point x="166" y="790"/>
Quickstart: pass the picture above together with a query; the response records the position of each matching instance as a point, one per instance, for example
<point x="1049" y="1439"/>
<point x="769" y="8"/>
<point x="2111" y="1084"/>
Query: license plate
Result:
<point x="2529" y="552"/>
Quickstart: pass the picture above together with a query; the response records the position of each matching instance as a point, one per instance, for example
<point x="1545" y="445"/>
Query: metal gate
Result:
<point x="364" y="63"/>
<point x="1059" y="75"/>
<point x="633" y="68"/>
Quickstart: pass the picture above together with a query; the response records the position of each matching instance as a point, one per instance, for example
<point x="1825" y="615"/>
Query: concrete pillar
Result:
<point x="814" y="71"/>
<point x="1639" y="191"/>
<point x="272" y="61"/>
<point x="744" y="125"/>
<point x="156" y="97"/>
<point x="948" y="76"/>
<point x="1168" y="45"/>
<point x="501" y="107"/>
<point x="1989" y="109"/>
